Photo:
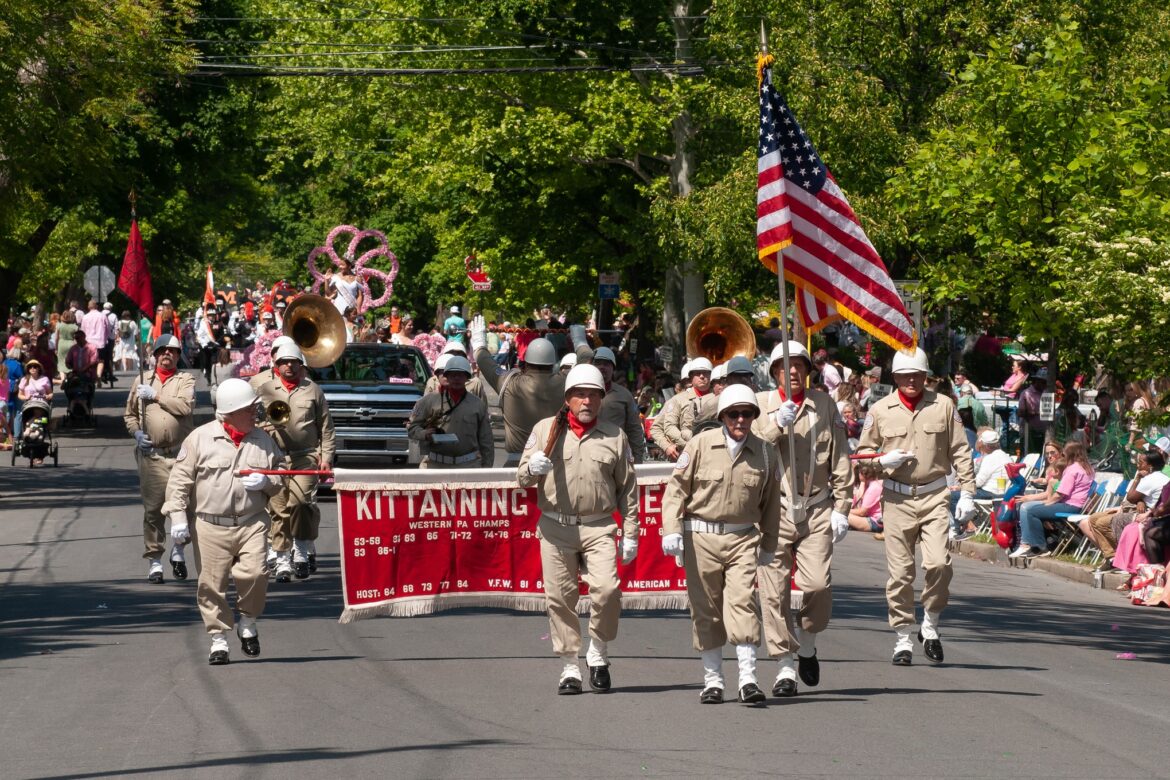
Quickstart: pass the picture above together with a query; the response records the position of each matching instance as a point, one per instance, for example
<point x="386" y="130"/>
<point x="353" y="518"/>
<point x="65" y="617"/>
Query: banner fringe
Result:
<point x="518" y="602"/>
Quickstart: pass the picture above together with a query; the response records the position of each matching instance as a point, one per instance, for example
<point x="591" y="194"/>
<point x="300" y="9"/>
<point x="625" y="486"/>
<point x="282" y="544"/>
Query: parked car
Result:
<point x="371" y="390"/>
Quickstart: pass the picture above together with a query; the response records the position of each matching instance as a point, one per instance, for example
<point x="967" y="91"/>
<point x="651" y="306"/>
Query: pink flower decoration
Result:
<point x="363" y="272"/>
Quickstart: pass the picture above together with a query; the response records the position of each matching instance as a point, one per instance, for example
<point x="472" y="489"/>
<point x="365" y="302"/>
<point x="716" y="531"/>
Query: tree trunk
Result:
<point x="10" y="277"/>
<point x="683" y="292"/>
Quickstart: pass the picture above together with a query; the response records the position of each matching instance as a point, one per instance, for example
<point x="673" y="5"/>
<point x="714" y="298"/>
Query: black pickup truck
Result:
<point x="371" y="390"/>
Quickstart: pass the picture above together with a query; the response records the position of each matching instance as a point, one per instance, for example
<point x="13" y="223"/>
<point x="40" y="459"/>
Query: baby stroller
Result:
<point x="79" y="391"/>
<point x="35" y="439"/>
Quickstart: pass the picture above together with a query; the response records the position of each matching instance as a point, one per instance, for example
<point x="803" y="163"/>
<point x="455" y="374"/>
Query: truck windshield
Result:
<point x="375" y="367"/>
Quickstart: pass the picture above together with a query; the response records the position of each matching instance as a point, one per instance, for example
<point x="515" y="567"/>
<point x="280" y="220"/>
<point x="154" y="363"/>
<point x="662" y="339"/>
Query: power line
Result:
<point x="234" y="70"/>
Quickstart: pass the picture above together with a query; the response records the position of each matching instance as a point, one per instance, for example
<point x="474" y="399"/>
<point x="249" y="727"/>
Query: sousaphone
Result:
<point x="719" y="334"/>
<point x="314" y="323"/>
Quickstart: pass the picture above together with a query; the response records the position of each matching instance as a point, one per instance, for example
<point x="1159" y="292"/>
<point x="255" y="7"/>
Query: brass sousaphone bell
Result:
<point x="278" y="412"/>
<point x="719" y="334"/>
<point x="314" y="323"/>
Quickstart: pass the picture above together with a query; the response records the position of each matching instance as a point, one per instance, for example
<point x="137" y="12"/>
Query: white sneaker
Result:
<point x="155" y="574"/>
<point x="1023" y="551"/>
<point x="299" y="552"/>
<point x="270" y="558"/>
<point x="220" y="653"/>
<point x="284" y="570"/>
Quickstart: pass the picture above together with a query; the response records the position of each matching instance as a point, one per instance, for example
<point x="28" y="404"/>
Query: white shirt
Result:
<point x="733" y="446"/>
<point x="1150" y="486"/>
<point x="991" y="470"/>
<point x="830" y="376"/>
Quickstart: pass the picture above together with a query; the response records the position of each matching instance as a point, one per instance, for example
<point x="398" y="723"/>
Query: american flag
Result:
<point x="801" y="212"/>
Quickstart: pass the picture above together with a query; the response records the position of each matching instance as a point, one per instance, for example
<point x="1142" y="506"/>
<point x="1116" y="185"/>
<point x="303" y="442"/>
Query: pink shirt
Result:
<point x="1074" y="485"/>
<point x="96" y="327"/>
<point x="870" y="500"/>
<point x="36" y="388"/>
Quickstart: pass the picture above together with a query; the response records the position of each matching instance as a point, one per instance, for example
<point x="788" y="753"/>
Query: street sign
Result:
<point x="99" y="282"/>
<point x="911" y="299"/>
<point x="609" y="285"/>
<point x="879" y="390"/>
<point x="1047" y="406"/>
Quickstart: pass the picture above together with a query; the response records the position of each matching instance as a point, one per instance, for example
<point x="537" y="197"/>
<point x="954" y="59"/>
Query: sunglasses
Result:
<point x="740" y="414"/>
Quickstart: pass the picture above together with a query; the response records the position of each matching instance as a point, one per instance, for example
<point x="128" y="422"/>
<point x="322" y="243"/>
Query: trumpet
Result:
<point x="278" y="412"/>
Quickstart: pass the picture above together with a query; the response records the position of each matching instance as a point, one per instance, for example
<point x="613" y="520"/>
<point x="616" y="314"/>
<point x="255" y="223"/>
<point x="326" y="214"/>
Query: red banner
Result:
<point x="416" y="542"/>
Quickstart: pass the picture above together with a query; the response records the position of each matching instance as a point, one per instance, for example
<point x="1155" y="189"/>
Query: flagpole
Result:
<point x="138" y="329"/>
<point x="794" y="491"/>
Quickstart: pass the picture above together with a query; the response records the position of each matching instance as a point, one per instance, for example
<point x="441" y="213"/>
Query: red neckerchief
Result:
<point x="456" y="396"/>
<point x="910" y="403"/>
<point x="236" y="436"/>
<point x="163" y="375"/>
<point x="579" y="427"/>
<point x="698" y="393"/>
<point x="289" y="386"/>
<point x="796" y="399"/>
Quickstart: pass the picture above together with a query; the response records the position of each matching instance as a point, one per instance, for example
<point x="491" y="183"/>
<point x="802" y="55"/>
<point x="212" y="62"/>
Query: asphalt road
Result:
<point x="105" y="675"/>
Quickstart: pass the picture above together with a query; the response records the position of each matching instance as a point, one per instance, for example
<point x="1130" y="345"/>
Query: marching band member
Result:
<point x="584" y="471"/>
<point x="668" y="430"/>
<point x="922" y="438"/>
<point x="618" y="406"/>
<point x="720" y="514"/>
<point x="306" y="437"/>
<point x="166" y="399"/>
<point x="527" y="394"/>
<point x="453" y="411"/>
<point x="474" y="385"/>
<point x="822" y="496"/>
<point x="703" y="415"/>
<point x="229" y="514"/>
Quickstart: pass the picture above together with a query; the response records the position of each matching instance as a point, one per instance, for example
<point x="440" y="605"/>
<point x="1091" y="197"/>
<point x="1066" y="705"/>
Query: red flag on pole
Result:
<point x="134" y="279"/>
<point x="209" y="290"/>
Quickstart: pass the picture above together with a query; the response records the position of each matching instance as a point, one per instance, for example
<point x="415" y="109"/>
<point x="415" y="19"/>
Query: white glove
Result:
<point x="766" y="557"/>
<point x="180" y="534"/>
<point x="146" y="393"/>
<point x="478" y="332"/>
<point x="144" y="442"/>
<point x="965" y="508"/>
<point x="672" y="544"/>
<point x="539" y="464"/>
<point x="840" y="525"/>
<point x="629" y="550"/>
<point x="895" y="458"/>
<point x="785" y="415"/>
<point x="254" y="481"/>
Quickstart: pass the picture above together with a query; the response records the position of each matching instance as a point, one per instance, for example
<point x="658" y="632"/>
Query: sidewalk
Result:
<point x="993" y="553"/>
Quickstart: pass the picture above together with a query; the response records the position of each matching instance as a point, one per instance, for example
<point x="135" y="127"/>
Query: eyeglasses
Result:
<point x="740" y="414"/>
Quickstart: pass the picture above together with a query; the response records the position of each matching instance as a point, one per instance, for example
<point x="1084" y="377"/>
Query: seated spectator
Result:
<point x="967" y="400"/>
<point x="866" y="512"/>
<point x="1137" y="401"/>
<point x="852" y="423"/>
<point x="1131" y="550"/>
<point x="963" y="384"/>
<point x="1104" y="528"/>
<point x="1068" y="497"/>
<point x="1029" y="408"/>
<point x="1016" y="380"/>
<point x="1051" y="466"/>
<point x="991" y="478"/>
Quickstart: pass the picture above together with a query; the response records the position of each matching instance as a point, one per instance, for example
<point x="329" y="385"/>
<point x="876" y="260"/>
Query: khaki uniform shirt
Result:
<point x="619" y="408"/>
<point x="203" y="477"/>
<point x="933" y="432"/>
<point x="707" y="485"/>
<point x="474" y="386"/>
<point x="702" y="415"/>
<point x="821" y="463"/>
<point x="169" y="417"/>
<point x="468" y="420"/>
<point x="309" y="427"/>
<point x="590" y="475"/>
<point x="676" y="418"/>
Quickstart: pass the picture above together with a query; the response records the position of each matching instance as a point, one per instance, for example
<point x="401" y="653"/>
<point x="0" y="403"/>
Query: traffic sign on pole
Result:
<point x="608" y="285"/>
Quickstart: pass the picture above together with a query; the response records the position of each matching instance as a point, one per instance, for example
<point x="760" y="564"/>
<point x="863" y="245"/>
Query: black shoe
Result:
<point x="932" y="648"/>
<point x="283" y="576"/>
<point x="301" y="569"/>
<point x="1106" y="566"/>
<point x="751" y="694"/>
<point x="784" y="688"/>
<point x="902" y="658"/>
<point x="711" y="696"/>
<point x="179" y="569"/>
<point x="313" y="563"/>
<point x="809" y="670"/>
<point x="250" y="645"/>
<point x="218" y="658"/>
<point x="599" y="679"/>
<point x="570" y="686"/>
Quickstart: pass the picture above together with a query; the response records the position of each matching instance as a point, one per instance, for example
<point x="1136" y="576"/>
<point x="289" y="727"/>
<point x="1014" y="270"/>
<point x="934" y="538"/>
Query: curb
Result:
<point x="993" y="553"/>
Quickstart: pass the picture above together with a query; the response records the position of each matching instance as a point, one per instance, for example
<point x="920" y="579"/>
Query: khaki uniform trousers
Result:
<point x="721" y="578"/>
<point x="811" y="547"/>
<point x="153" y="472"/>
<point x="294" y="510"/>
<point x="908" y="521"/>
<point x="239" y="552"/>
<point x="591" y="552"/>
